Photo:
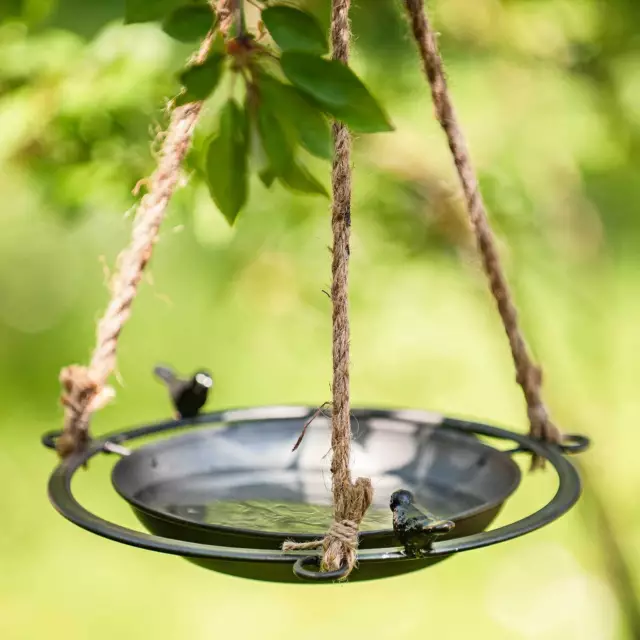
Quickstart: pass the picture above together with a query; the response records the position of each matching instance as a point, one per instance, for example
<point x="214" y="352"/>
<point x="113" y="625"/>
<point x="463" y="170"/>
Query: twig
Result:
<point x="307" y="423"/>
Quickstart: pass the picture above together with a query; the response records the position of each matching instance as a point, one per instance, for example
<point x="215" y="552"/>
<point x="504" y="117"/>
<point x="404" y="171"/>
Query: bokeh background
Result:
<point x="549" y="94"/>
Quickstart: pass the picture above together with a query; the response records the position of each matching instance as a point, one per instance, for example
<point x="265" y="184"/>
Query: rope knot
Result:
<point x="341" y="542"/>
<point x="541" y="425"/>
<point x="82" y="395"/>
<point x="541" y="428"/>
<point x="79" y="387"/>
<point x="345" y="531"/>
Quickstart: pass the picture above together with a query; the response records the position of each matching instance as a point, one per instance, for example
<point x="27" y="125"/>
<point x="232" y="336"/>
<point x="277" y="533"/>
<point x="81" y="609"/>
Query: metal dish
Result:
<point x="242" y="458"/>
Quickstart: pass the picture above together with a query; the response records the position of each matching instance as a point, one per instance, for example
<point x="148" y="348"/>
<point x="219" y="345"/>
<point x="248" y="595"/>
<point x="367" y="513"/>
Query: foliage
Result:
<point x="273" y="122"/>
<point x="227" y="160"/>
<point x="189" y="23"/>
<point x="295" y="30"/>
<point x="281" y="119"/>
<point x="285" y="89"/>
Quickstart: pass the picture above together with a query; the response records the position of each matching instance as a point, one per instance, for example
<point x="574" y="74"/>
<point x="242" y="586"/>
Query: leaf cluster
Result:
<point x="283" y="93"/>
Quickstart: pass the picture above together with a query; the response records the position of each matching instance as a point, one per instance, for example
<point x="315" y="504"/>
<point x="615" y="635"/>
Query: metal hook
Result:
<point x="49" y="438"/>
<point x="318" y="576"/>
<point x="572" y="443"/>
<point x="49" y="441"/>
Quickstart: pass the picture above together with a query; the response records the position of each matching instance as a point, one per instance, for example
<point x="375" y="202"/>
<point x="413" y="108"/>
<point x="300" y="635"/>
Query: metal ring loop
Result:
<point x="574" y="443"/>
<point x="322" y="576"/>
<point x="49" y="439"/>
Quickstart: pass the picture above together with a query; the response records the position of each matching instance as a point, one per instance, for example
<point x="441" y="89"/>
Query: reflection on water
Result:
<point x="275" y="516"/>
<point x="292" y="502"/>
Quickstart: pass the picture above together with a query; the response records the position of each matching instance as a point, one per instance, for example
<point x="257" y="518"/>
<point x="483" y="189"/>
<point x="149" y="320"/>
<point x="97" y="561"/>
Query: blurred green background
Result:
<point x="549" y="94"/>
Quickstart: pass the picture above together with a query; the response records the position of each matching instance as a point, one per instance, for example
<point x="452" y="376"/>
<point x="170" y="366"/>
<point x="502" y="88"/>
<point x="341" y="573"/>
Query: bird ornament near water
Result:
<point x="415" y="529"/>
<point x="187" y="396"/>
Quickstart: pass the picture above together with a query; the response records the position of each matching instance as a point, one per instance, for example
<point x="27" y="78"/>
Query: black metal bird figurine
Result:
<point x="415" y="529"/>
<point x="187" y="396"/>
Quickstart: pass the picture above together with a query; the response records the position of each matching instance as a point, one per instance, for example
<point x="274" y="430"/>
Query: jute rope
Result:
<point x="225" y="10"/>
<point x="528" y="375"/>
<point x="85" y="389"/>
<point x="350" y="500"/>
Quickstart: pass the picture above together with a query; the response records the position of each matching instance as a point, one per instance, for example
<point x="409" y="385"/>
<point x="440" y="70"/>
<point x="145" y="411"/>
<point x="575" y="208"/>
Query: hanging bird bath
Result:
<point x="227" y="491"/>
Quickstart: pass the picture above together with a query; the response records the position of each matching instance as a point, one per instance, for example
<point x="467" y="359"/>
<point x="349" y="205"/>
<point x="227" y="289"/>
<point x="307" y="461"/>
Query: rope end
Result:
<point x="541" y="428"/>
<point x="82" y="395"/>
<point x="341" y="542"/>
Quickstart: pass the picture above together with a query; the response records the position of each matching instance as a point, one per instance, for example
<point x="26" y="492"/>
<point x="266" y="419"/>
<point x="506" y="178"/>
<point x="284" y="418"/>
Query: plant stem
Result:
<point x="239" y="22"/>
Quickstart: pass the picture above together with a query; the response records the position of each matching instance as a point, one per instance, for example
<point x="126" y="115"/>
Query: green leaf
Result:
<point x="337" y="90"/>
<point x="295" y="30"/>
<point x="200" y="80"/>
<point x="149" y="10"/>
<point x="85" y="19"/>
<point x="267" y="177"/>
<point x="259" y="160"/>
<point x="298" y="114"/>
<point x="217" y="45"/>
<point x="276" y="144"/>
<point x="226" y="164"/>
<point x="298" y="178"/>
<point x="189" y="23"/>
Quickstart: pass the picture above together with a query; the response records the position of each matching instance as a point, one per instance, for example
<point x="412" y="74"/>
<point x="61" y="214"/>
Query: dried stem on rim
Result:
<point x="528" y="374"/>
